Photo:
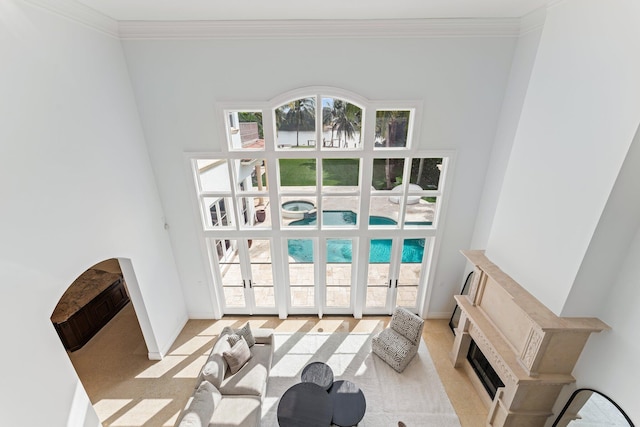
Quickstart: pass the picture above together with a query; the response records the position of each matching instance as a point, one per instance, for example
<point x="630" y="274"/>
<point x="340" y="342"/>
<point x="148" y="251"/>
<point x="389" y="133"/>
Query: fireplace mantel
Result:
<point x="532" y="350"/>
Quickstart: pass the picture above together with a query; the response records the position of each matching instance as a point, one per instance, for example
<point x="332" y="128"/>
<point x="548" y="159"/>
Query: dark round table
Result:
<point x="318" y="373"/>
<point x="349" y="404"/>
<point x="305" y="404"/>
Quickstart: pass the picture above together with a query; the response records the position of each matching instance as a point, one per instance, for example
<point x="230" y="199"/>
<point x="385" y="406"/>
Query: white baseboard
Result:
<point x="440" y="315"/>
<point x="153" y="355"/>
<point x="202" y="316"/>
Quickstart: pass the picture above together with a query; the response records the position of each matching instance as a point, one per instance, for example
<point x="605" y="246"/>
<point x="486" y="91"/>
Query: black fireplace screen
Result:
<point x="490" y="380"/>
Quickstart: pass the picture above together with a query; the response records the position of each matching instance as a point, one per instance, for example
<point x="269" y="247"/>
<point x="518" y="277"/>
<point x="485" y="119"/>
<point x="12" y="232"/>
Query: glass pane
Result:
<point x="387" y="173"/>
<point x="339" y="256"/>
<point x="254" y="212"/>
<point x="392" y="128"/>
<point x="251" y="175"/>
<point x="420" y="211"/>
<point x="412" y="253"/>
<point x="301" y="272"/>
<point x="338" y="296"/>
<point x="338" y="274"/>
<point x="302" y="296"/>
<point x="410" y="270"/>
<point x="299" y="211"/>
<point x="342" y="124"/>
<point x="300" y="251"/>
<point x="407" y="296"/>
<point x="297" y="173"/>
<point x="234" y="297"/>
<point x="426" y="173"/>
<point x="218" y="212"/>
<point x="229" y="261"/>
<point x="341" y="173"/>
<point x="262" y="272"/>
<point x="296" y="124"/>
<point x="383" y="212"/>
<point x="378" y="273"/>
<point x="245" y="130"/>
<point x="264" y="296"/>
<point x="340" y="211"/>
<point x="377" y="296"/>
<point x="213" y="175"/>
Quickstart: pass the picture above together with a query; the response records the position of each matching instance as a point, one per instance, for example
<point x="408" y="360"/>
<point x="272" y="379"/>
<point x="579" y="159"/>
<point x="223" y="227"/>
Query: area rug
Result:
<point x="415" y="397"/>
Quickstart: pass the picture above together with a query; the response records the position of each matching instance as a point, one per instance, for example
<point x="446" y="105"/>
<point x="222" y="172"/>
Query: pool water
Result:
<point x="298" y="206"/>
<point x="342" y="218"/>
<point x="340" y="251"/>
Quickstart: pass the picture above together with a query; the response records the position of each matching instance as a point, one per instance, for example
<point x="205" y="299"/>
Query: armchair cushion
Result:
<point x="407" y="324"/>
<point x="398" y="344"/>
<point x="394" y="349"/>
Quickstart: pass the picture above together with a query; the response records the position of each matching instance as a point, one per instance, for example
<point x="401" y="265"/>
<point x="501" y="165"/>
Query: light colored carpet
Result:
<point x="415" y="397"/>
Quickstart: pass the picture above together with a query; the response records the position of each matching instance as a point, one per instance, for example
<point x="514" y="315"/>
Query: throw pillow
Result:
<point x="238" y="356"/>
<point x="200" y="410"/>
<point x="233" y="339"/>
<point x="245" y="332"/>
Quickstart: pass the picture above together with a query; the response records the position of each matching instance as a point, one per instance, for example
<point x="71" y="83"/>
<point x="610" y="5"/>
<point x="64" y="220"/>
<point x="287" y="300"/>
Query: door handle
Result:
<point x="244" y="284"/>
<point x="389" y="283"/>
<point x="250" y="284"/>
<point x="396" y="283"/>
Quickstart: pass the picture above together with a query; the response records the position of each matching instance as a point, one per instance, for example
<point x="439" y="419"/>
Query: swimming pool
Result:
<point x="340" y="251"/>
<point x="348" y="218"/>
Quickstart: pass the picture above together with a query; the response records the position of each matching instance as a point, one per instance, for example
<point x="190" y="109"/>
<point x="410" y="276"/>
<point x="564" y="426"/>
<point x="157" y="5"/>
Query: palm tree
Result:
<point x="347" y="120"/>
<point x="300" y="113"/>
<point x="328" y="116"/>
<point x="391" y="127"/>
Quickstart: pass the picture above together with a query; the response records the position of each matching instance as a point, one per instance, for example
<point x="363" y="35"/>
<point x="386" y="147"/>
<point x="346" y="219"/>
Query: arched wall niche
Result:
<point x="101" y="291"/>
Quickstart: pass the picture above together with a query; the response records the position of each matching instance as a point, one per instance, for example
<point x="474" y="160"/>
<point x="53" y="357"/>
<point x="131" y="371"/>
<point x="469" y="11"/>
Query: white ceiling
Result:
<point x="172" y="10"/>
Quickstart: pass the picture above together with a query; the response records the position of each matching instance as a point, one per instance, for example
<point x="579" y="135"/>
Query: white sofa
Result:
<point x="223" y="399"/>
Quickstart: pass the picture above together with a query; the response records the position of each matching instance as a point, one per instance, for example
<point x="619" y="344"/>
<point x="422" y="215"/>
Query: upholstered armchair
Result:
<point x="398" y="344"/>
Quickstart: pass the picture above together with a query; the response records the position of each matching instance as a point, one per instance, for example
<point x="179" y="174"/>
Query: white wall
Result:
<point x="76" y="188"/>
<point x="610" y="244"/>
<point x="566" y="223"/>
<point x="609" y="361"/>
<point x="178" y="83"/>
<point x="514" y="97"/>
<point x="580" y="114"/>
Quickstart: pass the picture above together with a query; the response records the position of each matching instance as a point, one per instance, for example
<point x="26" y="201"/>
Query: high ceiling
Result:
<point x="171" y="10"/>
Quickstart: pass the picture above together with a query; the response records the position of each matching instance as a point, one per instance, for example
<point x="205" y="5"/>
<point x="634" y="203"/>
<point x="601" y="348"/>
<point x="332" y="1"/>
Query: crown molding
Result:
<point x="283" y="29"/>
<point x="533" y="21"/>
<point x="80" y="13"/>
<point x="272" y="29"/>
<point x="553" y="3"/>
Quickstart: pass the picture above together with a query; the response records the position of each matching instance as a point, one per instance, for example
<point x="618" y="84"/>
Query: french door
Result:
<point x="246" y="275"/>
<point x="395" y="270"/>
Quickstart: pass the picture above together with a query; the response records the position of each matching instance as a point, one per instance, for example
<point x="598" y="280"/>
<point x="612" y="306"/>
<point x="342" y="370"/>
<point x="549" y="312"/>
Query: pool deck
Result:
<point x="380" y="205"/>
<point x="337" y="277"/>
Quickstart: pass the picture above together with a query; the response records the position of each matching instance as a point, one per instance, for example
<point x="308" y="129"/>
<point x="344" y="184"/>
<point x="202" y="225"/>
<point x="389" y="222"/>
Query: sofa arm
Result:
<point x="263" y="336"/>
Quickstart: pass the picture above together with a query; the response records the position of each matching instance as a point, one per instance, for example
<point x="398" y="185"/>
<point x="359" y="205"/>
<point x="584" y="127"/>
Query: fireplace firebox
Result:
<point x="481" y="366"/>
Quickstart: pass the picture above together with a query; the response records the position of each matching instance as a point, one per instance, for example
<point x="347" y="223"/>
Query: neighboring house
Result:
<point x="542" y="113"/>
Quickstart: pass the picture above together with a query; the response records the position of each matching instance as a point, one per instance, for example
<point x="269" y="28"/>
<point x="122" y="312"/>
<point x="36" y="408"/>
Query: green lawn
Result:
<point x="302" y="172"/>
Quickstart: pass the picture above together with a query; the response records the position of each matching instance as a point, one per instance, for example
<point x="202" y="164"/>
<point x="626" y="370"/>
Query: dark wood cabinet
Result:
<point x="84" y="323"/>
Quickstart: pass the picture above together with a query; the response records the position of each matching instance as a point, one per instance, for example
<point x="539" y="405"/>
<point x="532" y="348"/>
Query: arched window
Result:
<point x="329" y="206"/>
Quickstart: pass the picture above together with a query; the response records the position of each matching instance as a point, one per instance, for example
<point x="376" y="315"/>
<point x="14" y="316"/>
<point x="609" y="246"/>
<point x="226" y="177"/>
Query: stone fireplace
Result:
<point x="530" y="349"/>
